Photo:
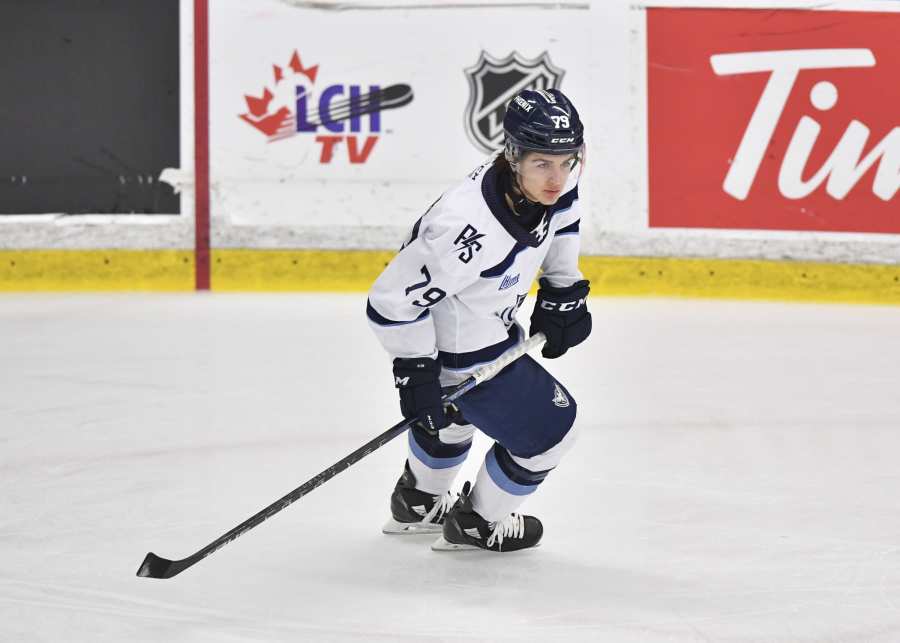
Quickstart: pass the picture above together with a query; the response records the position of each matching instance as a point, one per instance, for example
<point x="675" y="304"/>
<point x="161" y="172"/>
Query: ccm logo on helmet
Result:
<point x="563" y="307"/>
<point x="562" y="140"/>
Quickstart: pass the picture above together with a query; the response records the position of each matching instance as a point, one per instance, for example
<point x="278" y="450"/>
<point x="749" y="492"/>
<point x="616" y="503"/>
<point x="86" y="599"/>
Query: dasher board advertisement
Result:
<point x="362" y="118"/>
<point x="774" y="120"/>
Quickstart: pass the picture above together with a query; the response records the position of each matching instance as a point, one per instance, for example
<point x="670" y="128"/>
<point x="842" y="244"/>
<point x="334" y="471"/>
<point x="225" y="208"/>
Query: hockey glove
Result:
<point x="417" y="381"/>
<point x="562" y="315"/>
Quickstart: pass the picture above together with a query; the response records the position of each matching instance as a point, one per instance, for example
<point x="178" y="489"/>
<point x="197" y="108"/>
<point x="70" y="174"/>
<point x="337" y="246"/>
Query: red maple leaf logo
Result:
<point x="259" y="115"/>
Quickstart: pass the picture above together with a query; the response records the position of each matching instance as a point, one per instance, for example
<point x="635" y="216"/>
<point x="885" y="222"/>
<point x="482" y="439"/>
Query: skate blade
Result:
<point x="395" y="528"/>
<point x="441" y="544"/>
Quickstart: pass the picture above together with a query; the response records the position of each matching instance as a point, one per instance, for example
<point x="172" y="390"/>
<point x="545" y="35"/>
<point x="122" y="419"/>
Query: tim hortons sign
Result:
<point x="782" y="120"/>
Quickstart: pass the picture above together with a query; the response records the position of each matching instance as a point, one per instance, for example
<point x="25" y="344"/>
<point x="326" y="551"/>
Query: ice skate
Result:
<point x="414" y="511"/>
<point x="464" y="528"/>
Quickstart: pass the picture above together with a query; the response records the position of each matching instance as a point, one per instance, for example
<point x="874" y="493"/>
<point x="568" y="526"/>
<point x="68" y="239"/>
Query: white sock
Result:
<point x="432" y="474"/>
<point x="495" y="495"/>
<point x="489" y="500"/>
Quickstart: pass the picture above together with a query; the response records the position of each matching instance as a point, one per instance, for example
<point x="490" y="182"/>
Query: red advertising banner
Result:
<point x="774" y="119"/>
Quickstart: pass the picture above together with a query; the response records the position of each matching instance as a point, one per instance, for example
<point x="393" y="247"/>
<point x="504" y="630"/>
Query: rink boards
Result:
<point x="238" y="270"/>
<point x="733" y="150"/>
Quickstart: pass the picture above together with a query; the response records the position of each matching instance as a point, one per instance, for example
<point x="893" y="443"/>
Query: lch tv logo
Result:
<point x="845" y="166"/>
<point x="334" y="114"/>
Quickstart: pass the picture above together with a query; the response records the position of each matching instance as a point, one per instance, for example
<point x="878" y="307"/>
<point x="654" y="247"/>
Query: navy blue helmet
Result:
<point x="541" y="120"/>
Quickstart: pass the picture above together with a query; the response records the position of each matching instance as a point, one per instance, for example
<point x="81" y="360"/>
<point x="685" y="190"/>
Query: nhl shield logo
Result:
<point x="493" y="83"/>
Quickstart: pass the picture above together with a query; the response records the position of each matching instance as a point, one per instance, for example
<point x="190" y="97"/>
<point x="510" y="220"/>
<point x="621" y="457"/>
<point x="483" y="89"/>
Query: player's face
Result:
<point x="543" y="176"/>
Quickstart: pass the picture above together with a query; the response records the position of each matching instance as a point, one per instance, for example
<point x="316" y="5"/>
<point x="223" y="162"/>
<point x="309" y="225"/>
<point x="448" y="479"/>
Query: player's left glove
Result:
<point x="562" y="315"/>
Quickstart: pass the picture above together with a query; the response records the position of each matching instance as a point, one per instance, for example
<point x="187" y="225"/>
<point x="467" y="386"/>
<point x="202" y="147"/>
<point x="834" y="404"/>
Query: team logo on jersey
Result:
<point x="493" y="82"/>
<point x="559" y="397"/>
<point x="540" y="231"/>
<point x="343" y="119"/>
<point x="509" y="281"/>
<point x="468" y="243"/>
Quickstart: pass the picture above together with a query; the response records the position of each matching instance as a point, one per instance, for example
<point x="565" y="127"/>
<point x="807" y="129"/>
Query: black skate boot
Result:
<point x="414" y="511"/>
<point x="464" y="528"/>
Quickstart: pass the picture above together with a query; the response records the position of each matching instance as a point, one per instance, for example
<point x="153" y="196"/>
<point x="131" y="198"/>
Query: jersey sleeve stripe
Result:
<point x="375" y="317"/>
<point x="415" y="232"/>
<point x="569" y="229"/>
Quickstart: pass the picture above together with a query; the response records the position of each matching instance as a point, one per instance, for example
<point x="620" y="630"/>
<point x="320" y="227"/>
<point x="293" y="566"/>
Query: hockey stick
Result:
<point x="157" y="567"/>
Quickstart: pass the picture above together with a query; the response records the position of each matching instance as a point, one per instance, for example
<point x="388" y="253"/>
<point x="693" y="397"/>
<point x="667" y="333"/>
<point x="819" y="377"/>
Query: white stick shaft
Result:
<point x="489" y="371"/>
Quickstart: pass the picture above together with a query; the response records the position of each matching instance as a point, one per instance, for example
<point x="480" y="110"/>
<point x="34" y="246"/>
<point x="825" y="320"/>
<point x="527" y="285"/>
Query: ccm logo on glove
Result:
<point x="563" y="307"/>
<point x="562" y="315"/>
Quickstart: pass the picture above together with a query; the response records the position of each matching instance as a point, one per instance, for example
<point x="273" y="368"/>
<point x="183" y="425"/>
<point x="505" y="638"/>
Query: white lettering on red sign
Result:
<point x="844" y="167"/>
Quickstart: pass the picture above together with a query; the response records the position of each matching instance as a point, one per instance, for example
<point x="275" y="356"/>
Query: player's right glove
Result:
<point x="417" y="380"/>
<point x="562" y="315"/>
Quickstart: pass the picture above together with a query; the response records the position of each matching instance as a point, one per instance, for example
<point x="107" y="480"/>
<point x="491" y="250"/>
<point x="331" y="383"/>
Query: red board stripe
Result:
<point x="201" y="143"/>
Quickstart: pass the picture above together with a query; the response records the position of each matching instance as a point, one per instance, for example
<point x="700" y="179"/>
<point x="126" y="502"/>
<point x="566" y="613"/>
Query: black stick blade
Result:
<point x="156" y="567"/>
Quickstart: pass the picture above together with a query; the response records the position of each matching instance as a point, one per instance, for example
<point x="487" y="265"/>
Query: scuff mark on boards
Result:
<point x="365" y="6"/>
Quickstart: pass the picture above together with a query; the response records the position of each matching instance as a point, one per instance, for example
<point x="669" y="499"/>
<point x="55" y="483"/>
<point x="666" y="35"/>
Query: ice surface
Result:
<point x="737" y="478"/>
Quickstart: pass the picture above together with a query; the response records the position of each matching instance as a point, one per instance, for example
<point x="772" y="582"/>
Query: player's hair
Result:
<point x="501" y="164"/>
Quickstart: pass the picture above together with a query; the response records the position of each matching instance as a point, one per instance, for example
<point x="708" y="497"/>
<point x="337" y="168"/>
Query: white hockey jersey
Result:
<point x="453" y="290"/>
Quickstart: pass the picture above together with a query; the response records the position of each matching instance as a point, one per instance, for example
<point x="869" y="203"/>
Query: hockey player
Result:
<point x="446" y="305"/>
